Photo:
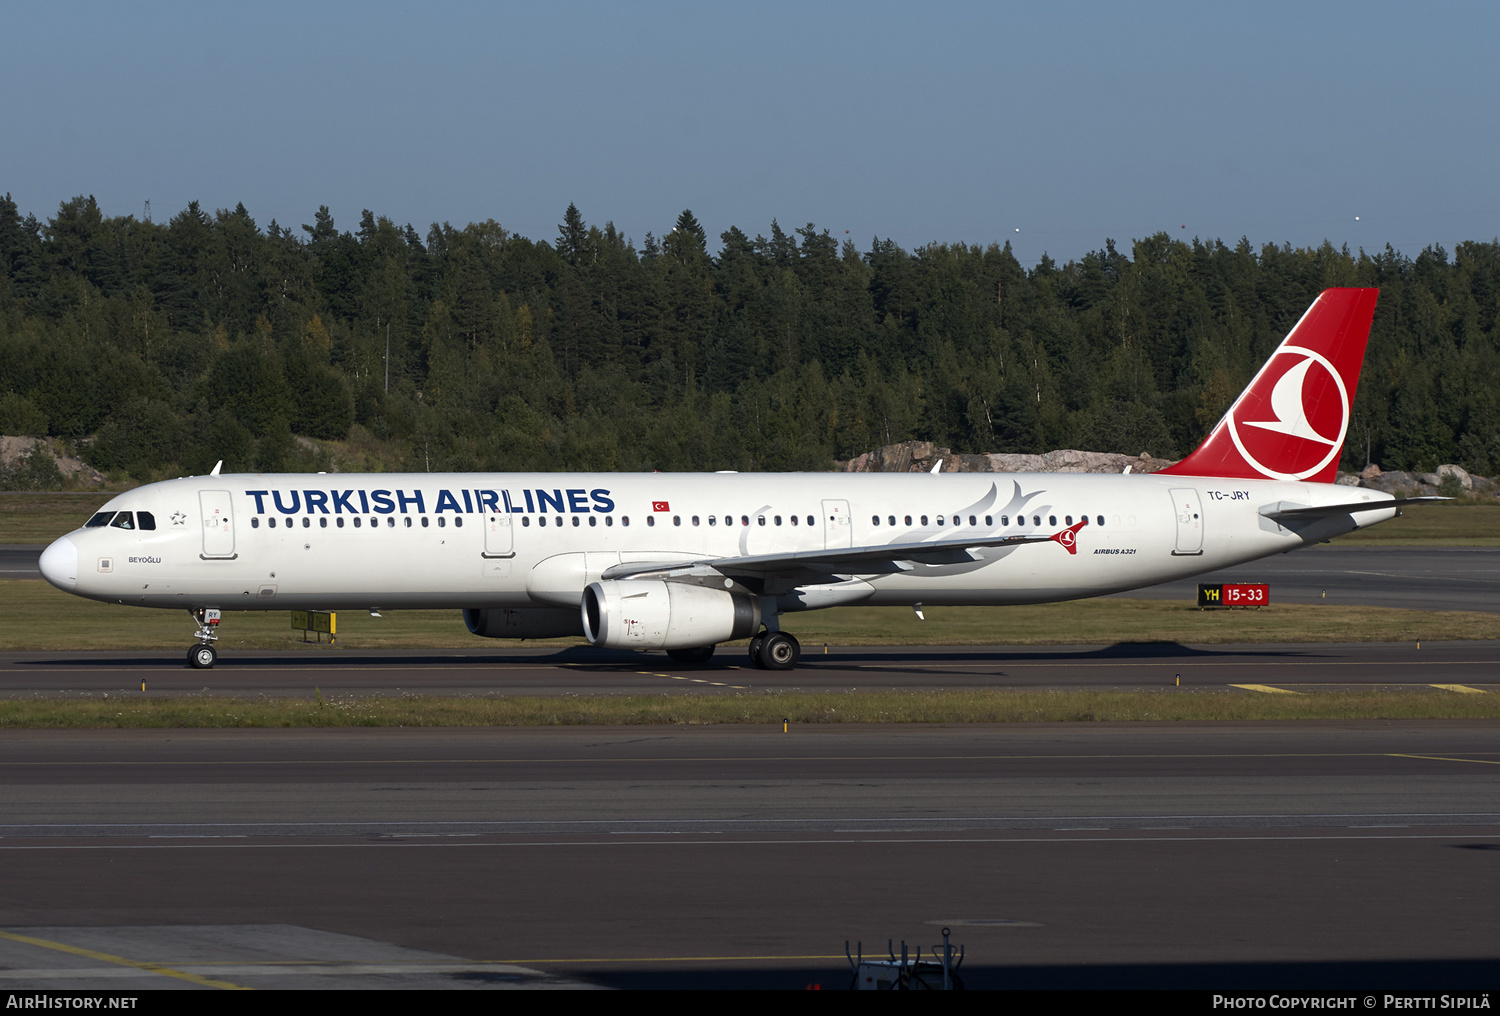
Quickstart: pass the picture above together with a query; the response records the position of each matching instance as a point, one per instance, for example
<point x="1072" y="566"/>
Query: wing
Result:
<point x="879" y="560"/>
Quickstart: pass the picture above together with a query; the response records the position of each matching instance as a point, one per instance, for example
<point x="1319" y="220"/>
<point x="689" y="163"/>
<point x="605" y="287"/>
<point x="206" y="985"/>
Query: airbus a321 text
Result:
<point x="683" y="562"/>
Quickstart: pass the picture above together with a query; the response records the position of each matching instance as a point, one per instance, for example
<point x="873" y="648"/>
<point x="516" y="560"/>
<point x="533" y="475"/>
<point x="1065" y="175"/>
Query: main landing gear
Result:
<point x="203" y="655"/>
<point x="769" y="650"/>
<point x="775" y="650"/>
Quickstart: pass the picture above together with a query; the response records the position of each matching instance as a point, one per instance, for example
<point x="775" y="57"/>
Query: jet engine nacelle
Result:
<point x="525" y="623"/>
<point x="653" y="614"/>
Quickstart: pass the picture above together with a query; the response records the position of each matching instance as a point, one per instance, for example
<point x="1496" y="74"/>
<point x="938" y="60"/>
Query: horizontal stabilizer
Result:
<point x="1326" y="510"/>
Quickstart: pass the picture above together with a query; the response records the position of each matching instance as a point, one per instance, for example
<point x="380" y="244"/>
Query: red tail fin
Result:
<point x="1289" y="424"/>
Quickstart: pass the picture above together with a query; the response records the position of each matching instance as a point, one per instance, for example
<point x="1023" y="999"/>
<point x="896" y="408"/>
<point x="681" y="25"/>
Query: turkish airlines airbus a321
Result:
<point x="682" y="562"/>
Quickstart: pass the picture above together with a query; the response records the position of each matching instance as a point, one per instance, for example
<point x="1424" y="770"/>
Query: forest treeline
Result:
<point x="155" y="349"/>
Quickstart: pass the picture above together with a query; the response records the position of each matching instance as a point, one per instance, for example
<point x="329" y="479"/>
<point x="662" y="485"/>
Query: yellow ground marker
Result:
<point x="1462" y="689"/>
<point x="155" y="968"/>
<point x="1266" y="689"/>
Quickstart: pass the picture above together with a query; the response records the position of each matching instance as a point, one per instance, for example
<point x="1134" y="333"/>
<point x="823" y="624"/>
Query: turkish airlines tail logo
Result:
<point x="1069" y="537"/>
<point x="1289" y="424"/>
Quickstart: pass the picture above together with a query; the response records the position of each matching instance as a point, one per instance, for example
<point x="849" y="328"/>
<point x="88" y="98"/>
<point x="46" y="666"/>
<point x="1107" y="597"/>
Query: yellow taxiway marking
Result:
<point x="155" y="968"/>
<point x="1462" y="689"/>
<point x="1445" y="758"/>
<point x="693" y="680"/>
<point x="1266" y="688"/>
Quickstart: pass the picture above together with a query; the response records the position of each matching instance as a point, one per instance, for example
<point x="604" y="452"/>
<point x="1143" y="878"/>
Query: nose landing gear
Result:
<point x="203" y="655"/>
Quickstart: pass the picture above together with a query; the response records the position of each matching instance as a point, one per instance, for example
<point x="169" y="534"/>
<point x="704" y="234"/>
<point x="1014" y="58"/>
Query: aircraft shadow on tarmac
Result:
<point x="589" y="658"/>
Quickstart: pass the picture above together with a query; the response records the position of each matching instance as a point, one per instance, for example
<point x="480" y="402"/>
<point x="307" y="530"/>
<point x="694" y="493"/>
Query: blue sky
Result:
<point x="942" y="122"/>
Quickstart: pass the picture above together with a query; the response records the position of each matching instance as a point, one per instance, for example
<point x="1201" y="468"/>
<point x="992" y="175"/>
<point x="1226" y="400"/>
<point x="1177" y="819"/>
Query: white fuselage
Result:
<point x="390" y="541"/>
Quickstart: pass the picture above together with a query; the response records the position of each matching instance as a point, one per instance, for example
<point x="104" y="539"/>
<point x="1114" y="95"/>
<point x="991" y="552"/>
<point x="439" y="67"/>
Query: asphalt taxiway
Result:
<point x="1333" y="855"/>
<point x="1356" y="855"/>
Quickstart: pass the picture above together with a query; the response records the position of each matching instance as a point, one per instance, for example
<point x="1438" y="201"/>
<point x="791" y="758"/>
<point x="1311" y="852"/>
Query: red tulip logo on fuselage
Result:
<point x="1291" y="423"/>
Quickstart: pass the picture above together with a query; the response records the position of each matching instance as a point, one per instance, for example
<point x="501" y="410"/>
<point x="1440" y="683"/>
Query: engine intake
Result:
<point x="655" y="614"/>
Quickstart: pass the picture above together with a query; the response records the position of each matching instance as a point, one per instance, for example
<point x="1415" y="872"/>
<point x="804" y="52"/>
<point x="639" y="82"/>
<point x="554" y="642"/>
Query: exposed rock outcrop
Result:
<point x="920" y="456"/>
<point x="15" y="449"/>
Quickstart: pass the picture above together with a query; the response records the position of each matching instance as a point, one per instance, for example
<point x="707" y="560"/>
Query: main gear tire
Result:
<point x="780" y="651"/>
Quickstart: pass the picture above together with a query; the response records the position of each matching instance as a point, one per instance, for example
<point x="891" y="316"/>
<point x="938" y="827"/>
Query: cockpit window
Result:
<point x="123" y="521"/>
<point x="145" y="520"/>
<point x="102" y="519"/>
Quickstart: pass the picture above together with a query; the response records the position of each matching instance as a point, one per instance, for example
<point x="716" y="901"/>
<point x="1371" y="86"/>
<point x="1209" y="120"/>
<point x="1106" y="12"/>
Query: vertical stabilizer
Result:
<point x="1289" y="424"/>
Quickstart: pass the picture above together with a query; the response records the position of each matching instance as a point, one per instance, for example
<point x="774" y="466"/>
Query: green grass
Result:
<point x="39" y="617"/>
<point x="1435" y="525"/>
<point x="983" y="706"/>
<point x="43" y="517"/>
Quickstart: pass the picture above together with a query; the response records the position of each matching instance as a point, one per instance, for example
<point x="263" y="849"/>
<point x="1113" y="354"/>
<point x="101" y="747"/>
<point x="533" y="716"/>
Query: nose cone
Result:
<point x="59" y="564"/>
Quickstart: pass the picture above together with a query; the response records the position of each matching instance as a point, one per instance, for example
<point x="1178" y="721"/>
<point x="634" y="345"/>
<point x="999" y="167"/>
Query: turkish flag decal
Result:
<point x="660" y="506"/>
